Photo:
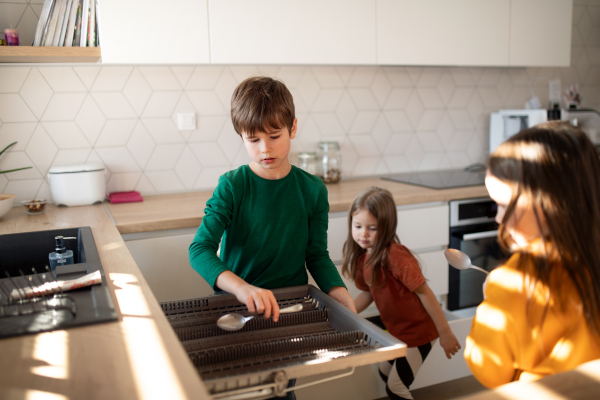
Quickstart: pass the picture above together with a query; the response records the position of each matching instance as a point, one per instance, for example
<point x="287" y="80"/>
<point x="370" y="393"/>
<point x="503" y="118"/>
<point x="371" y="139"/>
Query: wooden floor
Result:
<point x="448" y="390"/>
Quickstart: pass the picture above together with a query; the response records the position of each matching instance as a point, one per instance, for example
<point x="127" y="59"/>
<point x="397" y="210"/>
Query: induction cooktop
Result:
<point x="445" y="179"/>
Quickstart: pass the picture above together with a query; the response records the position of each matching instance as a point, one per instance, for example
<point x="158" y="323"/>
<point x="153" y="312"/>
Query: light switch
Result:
<point x="186" y="121"/>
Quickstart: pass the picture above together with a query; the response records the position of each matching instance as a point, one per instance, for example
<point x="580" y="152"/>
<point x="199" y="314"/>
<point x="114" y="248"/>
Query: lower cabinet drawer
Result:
<point x="437" y="368"/>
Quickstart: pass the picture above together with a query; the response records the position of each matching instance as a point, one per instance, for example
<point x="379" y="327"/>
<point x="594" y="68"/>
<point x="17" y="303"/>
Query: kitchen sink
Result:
<point x="23" y="264"/>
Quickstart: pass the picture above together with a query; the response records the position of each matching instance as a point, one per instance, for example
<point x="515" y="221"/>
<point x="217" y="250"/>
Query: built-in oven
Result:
<point x="473" y="230"/>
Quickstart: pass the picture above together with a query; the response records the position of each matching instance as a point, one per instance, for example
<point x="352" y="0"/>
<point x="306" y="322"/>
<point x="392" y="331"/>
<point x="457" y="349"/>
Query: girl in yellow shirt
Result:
<point x="541" y="314"/>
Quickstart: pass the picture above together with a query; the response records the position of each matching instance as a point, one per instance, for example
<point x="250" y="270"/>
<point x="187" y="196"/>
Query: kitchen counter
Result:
<point x="186" y="210"/>
<point x="137" y="357"/>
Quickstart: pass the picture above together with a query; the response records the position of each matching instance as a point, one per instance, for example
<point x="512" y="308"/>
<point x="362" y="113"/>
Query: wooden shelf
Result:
<point x="35" y="54"/>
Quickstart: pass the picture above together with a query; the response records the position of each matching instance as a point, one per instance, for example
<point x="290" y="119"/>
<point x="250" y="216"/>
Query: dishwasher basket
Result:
<point x="257" y="361"/>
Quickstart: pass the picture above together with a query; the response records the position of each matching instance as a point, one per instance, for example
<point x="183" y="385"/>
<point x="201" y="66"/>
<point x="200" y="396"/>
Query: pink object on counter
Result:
<point x="125" y="197"/>
<point x="12" y="37"/>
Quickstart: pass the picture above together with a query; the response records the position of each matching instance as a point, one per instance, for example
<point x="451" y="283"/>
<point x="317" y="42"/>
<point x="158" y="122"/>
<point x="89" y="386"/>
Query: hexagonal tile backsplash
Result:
<point x="387" y="119"/>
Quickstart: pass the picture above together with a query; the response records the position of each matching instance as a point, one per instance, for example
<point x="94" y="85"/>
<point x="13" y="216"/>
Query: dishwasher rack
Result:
<point x="258" y="360"/>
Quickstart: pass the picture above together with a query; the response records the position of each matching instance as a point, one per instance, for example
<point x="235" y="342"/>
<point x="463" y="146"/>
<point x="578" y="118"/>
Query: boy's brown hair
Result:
<point x="261" y="104"/>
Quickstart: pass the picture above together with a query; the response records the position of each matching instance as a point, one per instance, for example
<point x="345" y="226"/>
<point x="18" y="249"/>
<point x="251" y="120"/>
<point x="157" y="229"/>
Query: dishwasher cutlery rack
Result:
<point x="258" y="360"/>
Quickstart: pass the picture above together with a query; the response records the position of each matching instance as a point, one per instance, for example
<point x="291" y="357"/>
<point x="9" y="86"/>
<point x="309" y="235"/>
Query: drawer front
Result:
<point x="421" y="228"/>
<point x="435" y="270"/>
<point x="437" y="368"/>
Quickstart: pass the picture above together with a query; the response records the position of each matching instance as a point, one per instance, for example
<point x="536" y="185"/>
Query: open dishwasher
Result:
<point x="257" y="361"/>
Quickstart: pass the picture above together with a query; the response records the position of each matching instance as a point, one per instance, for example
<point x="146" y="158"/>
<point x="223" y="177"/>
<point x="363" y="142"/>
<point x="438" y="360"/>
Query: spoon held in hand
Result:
<point x="460" y="260"/>
<point x="234" y="322"/>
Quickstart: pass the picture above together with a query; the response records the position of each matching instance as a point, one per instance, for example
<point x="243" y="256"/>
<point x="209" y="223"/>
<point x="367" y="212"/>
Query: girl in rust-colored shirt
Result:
<point x="389" y="274"/>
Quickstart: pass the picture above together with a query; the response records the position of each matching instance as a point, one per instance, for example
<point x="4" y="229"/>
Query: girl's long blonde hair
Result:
<point x="380" y="204"/>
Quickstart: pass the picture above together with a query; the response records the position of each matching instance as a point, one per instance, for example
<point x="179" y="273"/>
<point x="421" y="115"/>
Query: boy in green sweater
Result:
<point x="272" y="216"/>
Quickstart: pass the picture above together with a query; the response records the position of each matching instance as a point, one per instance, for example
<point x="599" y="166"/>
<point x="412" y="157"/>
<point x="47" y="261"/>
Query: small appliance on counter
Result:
<point x="505" y="123"/>
<point x="77" y="185"/>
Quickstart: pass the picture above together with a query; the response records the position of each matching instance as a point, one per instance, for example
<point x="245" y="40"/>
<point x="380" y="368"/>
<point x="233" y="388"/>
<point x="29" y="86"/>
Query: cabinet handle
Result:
<point x="480" y="235"/>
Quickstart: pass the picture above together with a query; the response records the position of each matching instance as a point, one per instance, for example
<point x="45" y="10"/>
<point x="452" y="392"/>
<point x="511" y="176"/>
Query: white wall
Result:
<point x="388" y="119"/>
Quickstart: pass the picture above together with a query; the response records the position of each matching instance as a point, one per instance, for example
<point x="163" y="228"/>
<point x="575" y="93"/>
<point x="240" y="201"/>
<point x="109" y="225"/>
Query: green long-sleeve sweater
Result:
<point x="271" y="229"/>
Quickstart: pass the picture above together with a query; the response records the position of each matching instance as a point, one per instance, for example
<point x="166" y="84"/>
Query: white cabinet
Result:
<point x="163" y="260"/>
<point x="423" y="226"/>
<point x="154" y="32"/>
<point x="474" y="32"/>
<point x="443" y="32"/>
<point x="540" y="32"/>
<point x="293" y="31"/>
<point x="435" y="270"/>
<point x="437" y="368"/>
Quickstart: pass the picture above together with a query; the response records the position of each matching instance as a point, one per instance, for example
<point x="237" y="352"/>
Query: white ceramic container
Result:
<point x="77" y="185"/>
<point x="7" y="202"/>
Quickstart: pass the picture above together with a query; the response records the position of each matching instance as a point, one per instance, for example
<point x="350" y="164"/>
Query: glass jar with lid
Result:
<point x="309" y="162"/>
<point x="330" y="157"/>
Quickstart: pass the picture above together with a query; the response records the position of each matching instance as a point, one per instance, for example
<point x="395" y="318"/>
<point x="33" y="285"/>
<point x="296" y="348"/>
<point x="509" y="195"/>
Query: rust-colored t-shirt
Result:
<point x="400" y="308"/>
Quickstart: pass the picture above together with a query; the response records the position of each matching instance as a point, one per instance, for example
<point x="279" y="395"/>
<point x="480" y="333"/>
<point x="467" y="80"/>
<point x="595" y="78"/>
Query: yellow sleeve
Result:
<point x="491" y="345"/>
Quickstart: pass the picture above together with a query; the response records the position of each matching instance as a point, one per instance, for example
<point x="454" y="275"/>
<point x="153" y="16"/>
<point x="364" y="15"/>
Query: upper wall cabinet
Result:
<point x="443" y="32"/>
<point x="475" y="32"/>
<point x="293" y="31"/>
<point x="540" y="33"/>
<point x="154" y="32"/>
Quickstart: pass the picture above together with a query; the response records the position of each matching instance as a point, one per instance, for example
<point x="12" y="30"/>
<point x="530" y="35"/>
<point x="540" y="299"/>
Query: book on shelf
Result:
<point x="71" y="24"/>
<point x="49" y="34"/>
<point x="65" y="22"/>
<point x="41" y="25"/>
<point x="68" y="23"/>
<point x="59" y="22"/>
<point x="85" y="13"/>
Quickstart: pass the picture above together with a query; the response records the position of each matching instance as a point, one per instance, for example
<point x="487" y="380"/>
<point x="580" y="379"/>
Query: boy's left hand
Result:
<point x="341" y="294"/>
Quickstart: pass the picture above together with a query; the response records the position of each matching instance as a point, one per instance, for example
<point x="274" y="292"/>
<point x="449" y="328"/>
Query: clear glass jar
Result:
<point x="309" y="162"/>
<point x="331" y="160"/>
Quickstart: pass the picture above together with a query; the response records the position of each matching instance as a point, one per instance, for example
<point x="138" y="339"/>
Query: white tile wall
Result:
<point x="387" y="119"/>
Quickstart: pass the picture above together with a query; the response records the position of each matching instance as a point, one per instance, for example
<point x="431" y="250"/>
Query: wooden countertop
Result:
<point x="186" y="210"/>
<point x="137" y="357"/>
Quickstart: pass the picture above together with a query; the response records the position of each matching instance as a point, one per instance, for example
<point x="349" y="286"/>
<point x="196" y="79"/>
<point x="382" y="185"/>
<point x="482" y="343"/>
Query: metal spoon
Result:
<point x="460" y="260"/>
<point x="234" y="322"/>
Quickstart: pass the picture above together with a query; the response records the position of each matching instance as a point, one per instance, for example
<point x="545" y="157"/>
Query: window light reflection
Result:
<point x="52" y="349"/>
<point x="39" y="395"/>
<point x="153" y="372"/>
<point x="491" y="317"/>
<point x="562" y="350"/>
<point x="129" y="295"/>
<point x="591" y="370"/>
<point x="478" y="354"/>
<point x="531" y="390"/>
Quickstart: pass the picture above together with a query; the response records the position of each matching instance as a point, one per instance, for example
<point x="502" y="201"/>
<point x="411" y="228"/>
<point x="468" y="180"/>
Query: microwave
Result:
<point x="505" y="123"/>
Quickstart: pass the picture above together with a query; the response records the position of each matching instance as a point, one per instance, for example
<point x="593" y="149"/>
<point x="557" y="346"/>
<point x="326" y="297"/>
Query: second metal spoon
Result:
<point x="460" y="260"/>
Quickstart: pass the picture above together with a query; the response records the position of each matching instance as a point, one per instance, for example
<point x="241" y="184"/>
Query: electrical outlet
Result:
<point x="186" y="121"/>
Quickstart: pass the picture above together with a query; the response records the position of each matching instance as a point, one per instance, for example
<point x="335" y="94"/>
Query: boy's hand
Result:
<point x="258" y="301"/>
<point x="341" y="294"/>
<point x="449" y="343"/>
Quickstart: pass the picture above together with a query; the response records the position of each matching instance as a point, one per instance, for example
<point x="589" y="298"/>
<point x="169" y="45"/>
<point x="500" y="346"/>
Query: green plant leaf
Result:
<point x="11" y="170"/>
<point x="6" y="148"/>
